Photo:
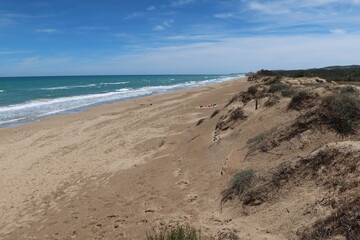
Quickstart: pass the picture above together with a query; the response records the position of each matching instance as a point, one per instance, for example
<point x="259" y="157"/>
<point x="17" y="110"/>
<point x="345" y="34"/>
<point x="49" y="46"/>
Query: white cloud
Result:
<point x="159" y="28"/>
<point x="13" y="52"/>
<point x="194" y="37"/>
<point x="338" y="31"/>
<point x="47" y="30"/>
<point x="164" y="25"/>
<point x="175" y="3"/>
<point x="120" y="35"/>
<point x="224" y="15"/>
<point x="245" y="54"/>
<point x="151" y="8"/>
<point x="240" y="54"/>
<point x="134" y="15"/>
<point x="5" y="22"/>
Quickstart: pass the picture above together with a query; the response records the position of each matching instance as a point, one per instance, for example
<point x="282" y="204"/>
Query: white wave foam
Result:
<point x="83" y="86"/>
<point x="69" y="87"/>
<point x="2" y="91"/>
<point x="114" y="83"/>
<point x="44" y="107"/>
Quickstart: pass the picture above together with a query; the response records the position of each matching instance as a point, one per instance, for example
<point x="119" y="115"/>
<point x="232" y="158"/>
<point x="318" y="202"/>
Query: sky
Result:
<point x="95" y="37"/>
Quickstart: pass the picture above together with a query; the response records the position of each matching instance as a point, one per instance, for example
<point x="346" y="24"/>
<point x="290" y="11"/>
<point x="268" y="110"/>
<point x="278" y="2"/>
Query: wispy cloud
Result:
<point x="175" y="3"/>
<point x="164" y="25"/>
<point x="194" y="37"/>
<point x="277" y="14"/>
<point x="286" y="52"/>
<point x="92" y="28"/>
<point x="5" y="22"/>
<point x="224" y="15"/>
<point x="47" y="30"/>
<point x="135" y="15"/>
<point x="151" y="8"/>
<point x="120" y="35"/>
<point x="13" y="52"/>
<point x="338" y="31"/>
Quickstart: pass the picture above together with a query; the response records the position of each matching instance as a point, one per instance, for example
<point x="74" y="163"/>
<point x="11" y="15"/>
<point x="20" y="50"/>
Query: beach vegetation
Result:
<point x="289" y="92"/>
<point x="237" y="114"/>
<point x="233" y="99"/>
<point x="298" y="100"/>
<point x="252" y="90"/>
<point x="179" y="232"/>
<point x="278" y="87"/>
<point x="275" y="80"/>
<point x="341" y="112"/>
<point x="348" y="89"/>
<point x="335" y="73"/>
<point x="238" y="185"/>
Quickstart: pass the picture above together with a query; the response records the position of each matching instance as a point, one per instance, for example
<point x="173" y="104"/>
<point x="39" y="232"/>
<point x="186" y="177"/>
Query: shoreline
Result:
<point x="79" y="109"/>
<point x="62" y="153"/>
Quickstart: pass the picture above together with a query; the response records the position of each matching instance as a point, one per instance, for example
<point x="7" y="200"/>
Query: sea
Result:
<point x="28" y="99"/>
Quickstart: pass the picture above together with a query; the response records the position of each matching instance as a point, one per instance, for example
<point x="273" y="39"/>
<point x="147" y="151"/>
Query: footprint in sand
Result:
<point x="178" y="172"/>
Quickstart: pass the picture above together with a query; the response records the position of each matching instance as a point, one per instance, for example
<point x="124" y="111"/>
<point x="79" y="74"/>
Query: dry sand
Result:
<point x="146" y="151"/>
<point x="117" y="171"/>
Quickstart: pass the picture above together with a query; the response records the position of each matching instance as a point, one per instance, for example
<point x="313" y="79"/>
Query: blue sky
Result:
<point x="75" y="37"/>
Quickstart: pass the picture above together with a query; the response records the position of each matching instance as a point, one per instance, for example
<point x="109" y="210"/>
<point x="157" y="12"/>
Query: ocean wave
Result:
<point x="69" y="87"/>
<point x="44" y="107"/>
<point x="83" y="86"/>
<point x="114" y="83"/>
<point x="2" y="91"/>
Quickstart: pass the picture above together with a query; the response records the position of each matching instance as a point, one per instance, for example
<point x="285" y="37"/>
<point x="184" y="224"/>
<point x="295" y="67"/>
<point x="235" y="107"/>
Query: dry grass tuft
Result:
<point x="341" y="112"/>
<point x="301" y="100"/>
<point x="238" y="185"/>
<point x="179" y="232"/>
<point x="344" y="222"/>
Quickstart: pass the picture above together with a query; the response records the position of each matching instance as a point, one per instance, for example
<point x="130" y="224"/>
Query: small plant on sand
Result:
<point x="298" y="100"/>
<point x="179" y="232"/>
<point x="341" y="112"/>
<point x="234" y="98"/>
<point x="252" y="90"/>
<point x="262" y="142"/>
<point x="276" y="80"/>
<point x="238" y="185"/>
<point x="289" y="92"/>
<point x="237" y="114"/>
<point x="216" y="112"/>
<point x="348" y="89"/>
<point x="278" y="87"/>
<point x="257" y="138"/>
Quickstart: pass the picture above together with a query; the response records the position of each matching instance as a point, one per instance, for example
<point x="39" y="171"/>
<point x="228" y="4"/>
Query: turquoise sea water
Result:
<point x="26" y="99"/>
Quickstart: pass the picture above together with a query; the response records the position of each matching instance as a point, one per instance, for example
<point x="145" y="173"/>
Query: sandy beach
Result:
<point x="119" y="171"/>
<point x="46" y="164"/>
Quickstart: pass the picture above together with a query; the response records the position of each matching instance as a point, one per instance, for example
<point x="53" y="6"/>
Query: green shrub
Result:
<point x="179" y="232"/>
<point x="277" y="87"/>
<point x="341" y="112"/>
<point x="252" y="90"/>
<point x="238" y="185"/>
<point x="298" y="100"/>
<point x="237" y="114"/>
<point x="348" y="89"/>
<point x="288" y="92"/>
<point x="233" y="99"/>
<point x="257" y="138"/>
<point x="276" y="80"/>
